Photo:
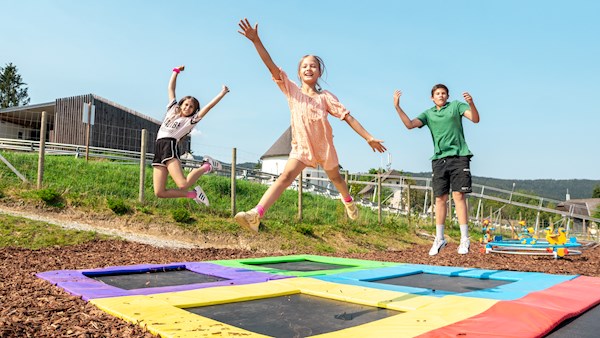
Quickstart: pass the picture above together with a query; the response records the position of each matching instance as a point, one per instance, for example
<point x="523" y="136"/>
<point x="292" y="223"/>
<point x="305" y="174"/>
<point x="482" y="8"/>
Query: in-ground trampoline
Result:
<point x="150" y="279"/>
<point x="303" y="265"/>
<point x="368" y="300"/>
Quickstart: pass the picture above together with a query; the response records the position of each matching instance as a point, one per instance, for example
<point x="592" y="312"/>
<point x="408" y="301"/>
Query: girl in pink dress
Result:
<point x="312" y="138"/>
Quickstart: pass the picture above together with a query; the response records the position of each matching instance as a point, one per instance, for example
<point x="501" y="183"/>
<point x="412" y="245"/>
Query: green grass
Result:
<point x="111" y="188"/>
<point x="27" y="234"/>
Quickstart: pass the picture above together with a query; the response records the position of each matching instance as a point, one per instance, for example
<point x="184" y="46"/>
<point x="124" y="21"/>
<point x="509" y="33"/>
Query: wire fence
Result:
<point x="390" y="194"/>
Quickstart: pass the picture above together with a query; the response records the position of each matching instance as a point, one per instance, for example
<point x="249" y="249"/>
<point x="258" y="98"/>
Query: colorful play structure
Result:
<point x="556" y="243"/>
<point x="317" y="296"/>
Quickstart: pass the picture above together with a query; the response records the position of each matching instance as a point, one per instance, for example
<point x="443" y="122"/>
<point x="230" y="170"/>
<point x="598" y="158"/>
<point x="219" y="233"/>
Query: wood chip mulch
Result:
<point x="32" y="307"/>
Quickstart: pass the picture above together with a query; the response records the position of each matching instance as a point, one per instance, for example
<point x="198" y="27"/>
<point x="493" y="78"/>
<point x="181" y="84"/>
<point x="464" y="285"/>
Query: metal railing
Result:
<point x="539" y="204"/>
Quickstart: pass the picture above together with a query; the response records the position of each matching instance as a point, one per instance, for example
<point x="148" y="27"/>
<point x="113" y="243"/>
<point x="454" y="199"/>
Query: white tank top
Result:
<point x="174" y="125"/>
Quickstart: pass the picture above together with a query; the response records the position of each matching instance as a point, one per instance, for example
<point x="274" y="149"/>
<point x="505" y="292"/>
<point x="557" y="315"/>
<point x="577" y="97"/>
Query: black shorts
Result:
<point x="451" y="172"/>
<point x="165" y="149"/>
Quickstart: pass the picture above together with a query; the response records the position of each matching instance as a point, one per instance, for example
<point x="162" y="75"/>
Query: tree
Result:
<point x="12" y="92"/>
<point x="596" y="192"/>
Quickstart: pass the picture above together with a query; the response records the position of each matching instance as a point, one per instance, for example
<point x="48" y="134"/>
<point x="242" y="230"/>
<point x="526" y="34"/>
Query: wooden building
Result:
<point x="112" y="126"/>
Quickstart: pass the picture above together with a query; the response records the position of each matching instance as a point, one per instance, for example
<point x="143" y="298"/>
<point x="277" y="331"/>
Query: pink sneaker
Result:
<point x="214" y="164"/>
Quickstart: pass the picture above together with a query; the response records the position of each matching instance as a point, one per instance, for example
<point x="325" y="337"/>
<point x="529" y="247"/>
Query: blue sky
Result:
<point x="531" y="66"/>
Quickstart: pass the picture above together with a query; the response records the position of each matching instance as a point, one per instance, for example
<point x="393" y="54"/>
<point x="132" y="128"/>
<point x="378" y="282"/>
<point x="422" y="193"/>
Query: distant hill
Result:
<point x="554" y="189"/>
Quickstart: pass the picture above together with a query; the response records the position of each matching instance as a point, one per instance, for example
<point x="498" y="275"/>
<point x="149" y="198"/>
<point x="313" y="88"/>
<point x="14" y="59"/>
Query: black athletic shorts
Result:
<point x="451" y="172"/>
<point x="164" y="150"/>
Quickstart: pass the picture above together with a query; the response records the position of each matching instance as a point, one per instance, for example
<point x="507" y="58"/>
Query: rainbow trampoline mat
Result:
<point x="303" y="265"/>
<point x="373" y="301"/>
<point x="146" y="279"/>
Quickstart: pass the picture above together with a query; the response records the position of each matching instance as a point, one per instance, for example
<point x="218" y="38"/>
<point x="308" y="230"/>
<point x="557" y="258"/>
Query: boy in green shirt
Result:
<point x="450" y="161"/>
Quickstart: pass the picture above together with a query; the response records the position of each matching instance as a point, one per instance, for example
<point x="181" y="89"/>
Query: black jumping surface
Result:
<point x="586" y="325"/>
<point x="295" y="315"/>
<point x="302" y="266"/>
<point x="156" y="278"/>
<point x="443" y="283"/>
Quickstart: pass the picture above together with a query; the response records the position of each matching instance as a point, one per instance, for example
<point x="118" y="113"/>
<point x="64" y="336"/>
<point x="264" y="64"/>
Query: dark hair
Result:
<point x="195" y="100"/>
<point x="438" y="86"/>
<point x="321" y="68"/>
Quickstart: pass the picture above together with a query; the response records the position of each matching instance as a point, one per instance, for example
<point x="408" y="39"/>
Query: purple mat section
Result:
<point x="77" y="283"/>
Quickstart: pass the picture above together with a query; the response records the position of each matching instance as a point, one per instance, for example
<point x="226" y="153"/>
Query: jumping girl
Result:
<point x="312" y="138"/>
<point x="181" y="118"/>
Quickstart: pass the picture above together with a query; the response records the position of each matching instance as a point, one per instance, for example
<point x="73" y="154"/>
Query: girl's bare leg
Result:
<point x="336" y="178"/>
<point x="173" y="168"/>
<point x="292" y="169"/>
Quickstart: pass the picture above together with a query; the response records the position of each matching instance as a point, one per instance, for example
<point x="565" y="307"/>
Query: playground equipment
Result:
<point x="556" y="244"/>
<point x="527" y="234"/>
<point x="486" y="228"/>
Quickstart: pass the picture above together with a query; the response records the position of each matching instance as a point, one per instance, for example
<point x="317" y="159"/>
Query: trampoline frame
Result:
<point x="81" y="282"/>
<point x="255" y="264"/>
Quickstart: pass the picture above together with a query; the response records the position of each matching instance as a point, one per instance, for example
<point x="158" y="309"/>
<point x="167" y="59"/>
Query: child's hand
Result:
<point x="247" y="30"/>
<point x="225" y="90"/>
<point x="468" y="97"/>
<point x="181" y="68"/>
<point x="397" y="95"/>
<point x="376" y="145"/>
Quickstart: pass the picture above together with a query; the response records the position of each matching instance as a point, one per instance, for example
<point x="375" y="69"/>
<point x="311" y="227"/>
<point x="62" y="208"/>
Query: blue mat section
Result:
<point x="522" y="283"/>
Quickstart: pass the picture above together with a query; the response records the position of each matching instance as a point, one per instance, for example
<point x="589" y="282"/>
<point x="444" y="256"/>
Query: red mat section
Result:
<point x="534" y="315"/>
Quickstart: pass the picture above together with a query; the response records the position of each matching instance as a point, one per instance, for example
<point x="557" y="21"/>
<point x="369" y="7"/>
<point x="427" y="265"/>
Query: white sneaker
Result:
<point x="438" y="244"/>
<point x="248" y="219"/>
<point x="351" y="209"/>
<point x="201" y="197"/>
<point x="463" y="248"/>
<point x="214" y="164"/>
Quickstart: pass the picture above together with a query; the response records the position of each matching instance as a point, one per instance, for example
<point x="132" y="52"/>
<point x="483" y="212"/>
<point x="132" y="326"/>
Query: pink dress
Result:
<point x="312" y="137"/>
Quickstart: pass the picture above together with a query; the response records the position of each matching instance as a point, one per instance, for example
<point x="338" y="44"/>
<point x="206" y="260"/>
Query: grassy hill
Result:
<point x="108" y="191"/>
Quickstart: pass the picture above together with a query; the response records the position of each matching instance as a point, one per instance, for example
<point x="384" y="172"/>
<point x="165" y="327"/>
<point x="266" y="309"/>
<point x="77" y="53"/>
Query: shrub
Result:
<point x="50" y="197"/>
<point x="118" y="206"/>
<point x="181" y="215"/>
<point x="306" y="230"/>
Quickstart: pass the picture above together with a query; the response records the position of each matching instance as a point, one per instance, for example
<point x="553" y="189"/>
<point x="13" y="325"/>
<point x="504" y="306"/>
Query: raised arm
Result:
<point x="173" y="82"/>
<point x="410" y="124"/>
<point x="211" y="104"/>
<point x="472" y="114"/>
<point x="252" y="34"/>
<point x="375" y="144"/>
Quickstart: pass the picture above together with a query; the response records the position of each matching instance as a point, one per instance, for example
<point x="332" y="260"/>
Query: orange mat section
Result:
<point x="534" y="315"/>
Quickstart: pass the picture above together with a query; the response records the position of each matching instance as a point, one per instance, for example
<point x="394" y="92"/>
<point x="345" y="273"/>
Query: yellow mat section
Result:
<point x="162" y="319"/>
<point x="164" y="313"/>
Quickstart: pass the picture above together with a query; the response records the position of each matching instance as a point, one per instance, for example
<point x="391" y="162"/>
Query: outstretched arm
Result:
<point x="375" y="144"/>
<point x="252" y="34"/>
<point x="211" y="104"/>
<point x="472" y="114"/>
<point x="410" y="124"/>
<point x="173" y="82"/>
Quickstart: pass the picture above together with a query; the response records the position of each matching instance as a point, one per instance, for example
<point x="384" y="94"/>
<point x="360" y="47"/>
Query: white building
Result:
<point x="274" y="160"/>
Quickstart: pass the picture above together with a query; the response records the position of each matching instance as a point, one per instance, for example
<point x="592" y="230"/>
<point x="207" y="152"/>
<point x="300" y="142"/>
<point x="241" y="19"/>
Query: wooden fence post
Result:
<point x="143" y="146"/>
<point x="42" y="151"/>
<point x="408" y="208"/>
<point x="433" y="208"/>
<point x="379" y="198"/>
<point x="300" y="196"/>
<point x="88" y="131"/>
<point x="233" y="181"/>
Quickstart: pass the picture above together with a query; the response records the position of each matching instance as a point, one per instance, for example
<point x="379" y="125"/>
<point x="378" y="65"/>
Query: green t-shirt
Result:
<point x="446" y="129"/>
